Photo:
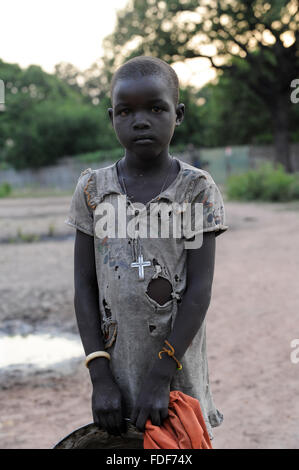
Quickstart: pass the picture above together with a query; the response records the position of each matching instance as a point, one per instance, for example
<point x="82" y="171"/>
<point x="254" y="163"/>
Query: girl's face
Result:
<point x="144" y="115"/>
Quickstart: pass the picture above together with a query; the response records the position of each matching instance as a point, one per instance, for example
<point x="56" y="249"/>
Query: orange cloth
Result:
<point x="184" y="428"/>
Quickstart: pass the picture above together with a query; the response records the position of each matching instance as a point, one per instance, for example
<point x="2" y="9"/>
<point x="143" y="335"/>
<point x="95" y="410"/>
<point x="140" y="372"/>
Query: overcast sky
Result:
<point x="46" y="32"/>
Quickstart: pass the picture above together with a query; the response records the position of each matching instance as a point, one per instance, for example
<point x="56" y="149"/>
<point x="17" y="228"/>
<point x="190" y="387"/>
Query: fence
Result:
<point x="63" y="175"/>
<point x="219" y="162"/>
<point x="224" y="161"/>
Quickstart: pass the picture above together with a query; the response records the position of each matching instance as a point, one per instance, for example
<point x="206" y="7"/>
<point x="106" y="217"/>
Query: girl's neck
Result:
<point x="139" y="166"/>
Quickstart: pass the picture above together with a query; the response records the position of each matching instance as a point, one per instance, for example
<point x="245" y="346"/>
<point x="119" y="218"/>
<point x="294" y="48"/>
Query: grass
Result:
<point x="24" y="237"/>
<point x="36" y="192"/>
<point x="51" y="230"/>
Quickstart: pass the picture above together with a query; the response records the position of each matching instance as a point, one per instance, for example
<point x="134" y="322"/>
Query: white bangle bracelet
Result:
<point x="95" y="354"/>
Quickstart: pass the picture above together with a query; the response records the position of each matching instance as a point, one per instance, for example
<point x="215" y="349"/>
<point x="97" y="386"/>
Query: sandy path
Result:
<point x="252" y="319"/>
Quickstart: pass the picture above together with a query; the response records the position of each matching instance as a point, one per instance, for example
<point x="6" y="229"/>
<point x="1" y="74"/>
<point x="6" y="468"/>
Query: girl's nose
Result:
<point x="140" y="121"/>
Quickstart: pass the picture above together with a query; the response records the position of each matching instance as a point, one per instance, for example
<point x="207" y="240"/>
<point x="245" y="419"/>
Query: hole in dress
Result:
<point x="160" y="290"/>
<point x="107" y="309"/>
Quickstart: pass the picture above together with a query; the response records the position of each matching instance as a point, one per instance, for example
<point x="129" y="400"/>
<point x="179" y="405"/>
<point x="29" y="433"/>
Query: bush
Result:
<point x="115" y="154"/>
<point x="266" y="183"/>
<point x="5" y="189"/>
<point x="100" y="155"/>
<point x="294" y="189"/>
<point x="53" y="130"/>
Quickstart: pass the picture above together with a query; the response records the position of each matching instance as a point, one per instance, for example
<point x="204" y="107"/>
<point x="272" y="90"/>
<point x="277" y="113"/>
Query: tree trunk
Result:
<point x="280" y="116"/>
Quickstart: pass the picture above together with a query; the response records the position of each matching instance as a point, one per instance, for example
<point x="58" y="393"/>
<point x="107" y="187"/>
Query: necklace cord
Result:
<point x="163" y="185"/>
<point x="134" y="241"/>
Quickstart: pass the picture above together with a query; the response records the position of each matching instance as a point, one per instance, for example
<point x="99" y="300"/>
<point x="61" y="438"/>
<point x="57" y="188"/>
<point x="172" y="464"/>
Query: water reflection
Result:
<point x="38" y="350"/>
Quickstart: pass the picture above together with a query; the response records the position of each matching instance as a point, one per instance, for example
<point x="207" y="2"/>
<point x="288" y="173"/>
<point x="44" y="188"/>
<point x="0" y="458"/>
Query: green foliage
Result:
<point x="266" y="183"/>
<point x="117" y="153"/>
<point x="191" y="129"/>
<point x="48" y="116"/>
<point x="294" y="188"/>
<point x="37" y="191"/>
<point x="101" y="155"/>
<point x="5" y="189"/>
<point x="233" y="115"/>
<point x="45" y="119"/>
<point x="54" y="130"/>
<point x="3" y="165"/>
<point x="249" y="41"/>
<point x="24" y="237"/>
<point x="51" y="230"/>
<point x="176" y="30"/>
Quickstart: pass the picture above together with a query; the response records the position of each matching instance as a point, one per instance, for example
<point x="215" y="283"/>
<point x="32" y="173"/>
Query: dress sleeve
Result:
<point x="80" y="215"/>
<point x="210" y="217"/>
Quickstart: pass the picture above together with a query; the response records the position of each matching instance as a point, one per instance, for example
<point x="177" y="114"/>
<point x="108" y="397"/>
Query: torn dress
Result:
<point x="134" y="325"/>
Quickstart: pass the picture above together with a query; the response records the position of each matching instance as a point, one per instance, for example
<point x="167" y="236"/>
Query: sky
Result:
<point x="46" y="32"/>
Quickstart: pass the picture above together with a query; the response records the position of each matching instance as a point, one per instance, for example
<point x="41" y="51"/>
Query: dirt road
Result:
<point x="252" y="319"/>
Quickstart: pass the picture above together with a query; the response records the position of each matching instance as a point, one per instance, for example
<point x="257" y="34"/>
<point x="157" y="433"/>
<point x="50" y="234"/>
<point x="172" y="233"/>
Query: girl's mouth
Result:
<point x="144" y="141"/>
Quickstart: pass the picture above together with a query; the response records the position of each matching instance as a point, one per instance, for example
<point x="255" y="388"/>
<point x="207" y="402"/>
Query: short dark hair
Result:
<point x="144" y="66"/>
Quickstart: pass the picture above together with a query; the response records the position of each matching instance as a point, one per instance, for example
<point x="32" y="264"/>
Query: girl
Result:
<point x="141" y="300"/>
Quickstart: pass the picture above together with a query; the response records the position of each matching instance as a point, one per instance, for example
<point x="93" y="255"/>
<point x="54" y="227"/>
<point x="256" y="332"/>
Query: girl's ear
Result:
<point x="180" y="112"/>
<point x="110" y="113"/>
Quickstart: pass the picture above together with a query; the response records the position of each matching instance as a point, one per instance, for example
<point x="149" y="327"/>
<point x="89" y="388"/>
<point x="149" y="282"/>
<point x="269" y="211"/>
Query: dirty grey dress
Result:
<point x="134" y="325"/>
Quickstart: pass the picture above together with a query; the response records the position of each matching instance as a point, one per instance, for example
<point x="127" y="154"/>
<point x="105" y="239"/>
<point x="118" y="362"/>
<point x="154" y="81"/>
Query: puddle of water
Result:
<point x="38" y="351"/>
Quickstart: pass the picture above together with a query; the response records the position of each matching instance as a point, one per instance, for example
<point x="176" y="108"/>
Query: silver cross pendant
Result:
<point x="140" y="265"/>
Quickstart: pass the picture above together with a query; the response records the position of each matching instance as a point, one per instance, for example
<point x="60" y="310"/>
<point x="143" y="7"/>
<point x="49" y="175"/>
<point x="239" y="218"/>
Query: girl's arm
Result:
<point x="153" y="399"/>
<point x="106" y="397"/>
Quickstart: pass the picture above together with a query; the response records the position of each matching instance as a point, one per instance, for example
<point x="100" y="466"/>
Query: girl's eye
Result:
<point x="157" y="108"/>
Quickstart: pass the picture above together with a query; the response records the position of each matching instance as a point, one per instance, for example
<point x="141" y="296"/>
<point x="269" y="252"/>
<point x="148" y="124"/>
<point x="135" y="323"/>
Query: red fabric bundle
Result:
<point x="184" y="428"/>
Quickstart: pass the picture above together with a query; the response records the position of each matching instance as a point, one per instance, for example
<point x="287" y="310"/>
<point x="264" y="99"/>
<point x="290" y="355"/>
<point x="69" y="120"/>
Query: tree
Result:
<point x="46" y="118"/>
<point x="91" y="83"/>
<point x="234" y="115"/>
<point x="255" y="41"/>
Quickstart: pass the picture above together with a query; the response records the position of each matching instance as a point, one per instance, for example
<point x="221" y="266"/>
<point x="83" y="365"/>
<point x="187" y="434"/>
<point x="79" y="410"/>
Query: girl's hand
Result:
<point x="152" y="401"/>
<point x="107" y="406"/>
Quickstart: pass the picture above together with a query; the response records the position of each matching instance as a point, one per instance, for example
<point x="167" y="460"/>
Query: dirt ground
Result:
<point x="252" y="319"/>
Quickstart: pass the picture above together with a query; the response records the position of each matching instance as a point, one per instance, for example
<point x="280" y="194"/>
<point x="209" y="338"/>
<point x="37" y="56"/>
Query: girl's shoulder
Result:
<point x="95" y="183"/>
<point x="94" y="172"/>
<point x="195" y="179"/>
<point x="98" y="174"/>
<point x="85" y="172"/>
<point x="196" y="173"/>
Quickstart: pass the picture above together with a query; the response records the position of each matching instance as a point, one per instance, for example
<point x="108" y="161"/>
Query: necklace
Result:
<point x="163" y="185"/>
<point x="135" y="242"/>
